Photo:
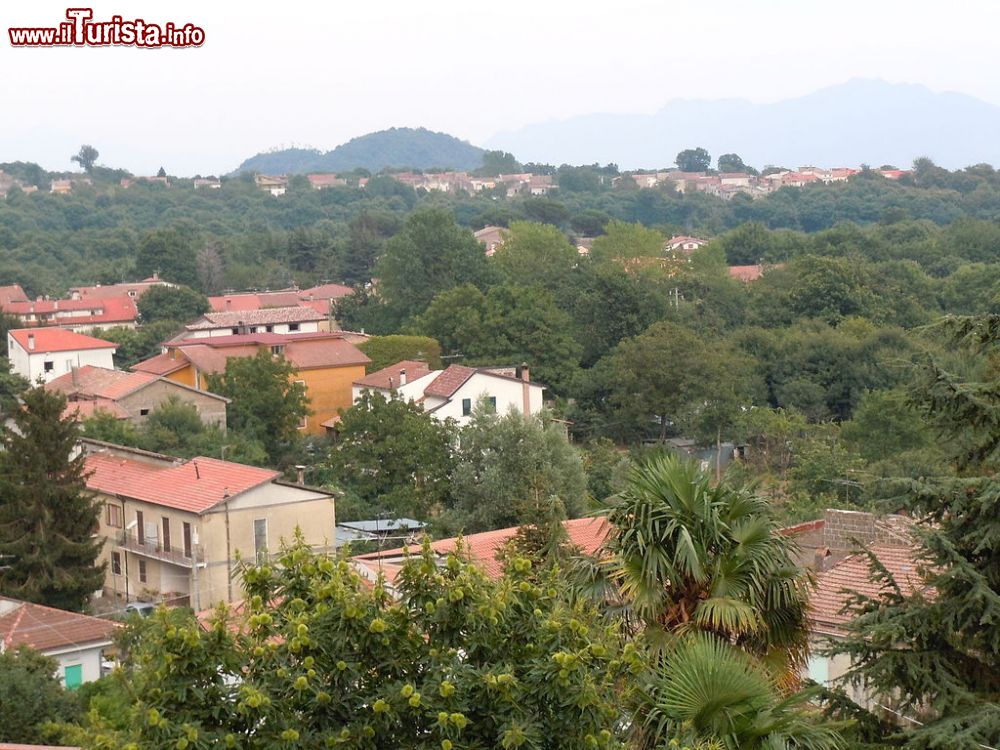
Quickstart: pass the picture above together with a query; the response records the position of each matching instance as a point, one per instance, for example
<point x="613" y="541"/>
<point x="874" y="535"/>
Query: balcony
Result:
<point x="152" y="548"/>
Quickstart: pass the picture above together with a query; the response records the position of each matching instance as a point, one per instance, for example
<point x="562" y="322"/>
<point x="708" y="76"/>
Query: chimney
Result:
<point x="402" y="377"/>
<point x="31" y="342"/>
<point x="300" y="473"/>
<point x="76" y="380"/>
<point x="197" y="473"/>
<point x="525" y="390"/>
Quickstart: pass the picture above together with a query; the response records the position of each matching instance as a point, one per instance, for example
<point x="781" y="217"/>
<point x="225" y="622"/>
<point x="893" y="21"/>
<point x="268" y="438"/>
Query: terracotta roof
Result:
<point x="326" y="291"/>
<point x="746" y="273"/>
<point x="109" y="291"/>
<point x="268" y="316"/>
<point x="586" y="533"/>
<point x="304" y="350"/>
<point x="834" y="586"/>
<point x="58" y="340"/>
<point x="80" y="410"/>
<point x="45" y="628"/>
<point x="12" y="293"/>
<point x="388" y="377"/>
<point x="16" y="746"/>
<point x="195" y="485"/>
<point x="450" y="380"/>
<point x="162" y="364"/>
<point x="100" y="382"/>
<point x="254" y="300"/>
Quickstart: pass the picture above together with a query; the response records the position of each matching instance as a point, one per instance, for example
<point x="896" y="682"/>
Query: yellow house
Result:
<point x="326" y="363"/>
<point x="175" y="530"/>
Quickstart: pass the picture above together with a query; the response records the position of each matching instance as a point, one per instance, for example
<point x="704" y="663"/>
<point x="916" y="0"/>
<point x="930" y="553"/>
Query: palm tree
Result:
<point x="686" y="555"/>
<point x="711" y="694"/>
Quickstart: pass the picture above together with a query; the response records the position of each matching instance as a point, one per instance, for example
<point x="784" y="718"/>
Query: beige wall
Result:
<point x="211" y="410"/>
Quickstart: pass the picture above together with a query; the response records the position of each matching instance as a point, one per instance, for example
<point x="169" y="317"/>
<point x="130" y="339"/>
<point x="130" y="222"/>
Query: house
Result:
<point x="326" y="363"/>
<point x="318" y="298"/>
<point x="320" y="181"/>
<point x="174" y="529"/>
<point x="61" y="187"/>
<point x="207" y="182"/>
<point x="735" y="179"/>
<point x="830" y="547"/>
<point x="132" y="290"/>
<point x="77" y="314"/>
<point x="46" y="353"/>
<point x="132" y="395"/>
<point x="452" y="393"/>
<point x="492" y="237"/>
<point x="746" y="273"/>
<point x="684" y="244"/>
<point x="278" y="320"/>
<point x="587" y="534"/>
<point x="12" y="293"/>
<point x="77" y="642"/>
<point x="274" y="185"/>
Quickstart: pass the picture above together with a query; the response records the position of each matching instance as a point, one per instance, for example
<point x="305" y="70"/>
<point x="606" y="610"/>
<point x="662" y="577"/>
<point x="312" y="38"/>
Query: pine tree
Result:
<point x="47" y="517"/>
<point x="936" y="653"/>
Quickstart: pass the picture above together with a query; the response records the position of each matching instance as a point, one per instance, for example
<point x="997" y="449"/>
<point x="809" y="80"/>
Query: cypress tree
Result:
<point x="936" y="654"/>
<point x="47" y="516"/>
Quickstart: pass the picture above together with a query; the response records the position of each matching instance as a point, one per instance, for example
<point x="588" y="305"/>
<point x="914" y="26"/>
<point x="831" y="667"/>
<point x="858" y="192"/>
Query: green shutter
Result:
<point x="74" y="676"/>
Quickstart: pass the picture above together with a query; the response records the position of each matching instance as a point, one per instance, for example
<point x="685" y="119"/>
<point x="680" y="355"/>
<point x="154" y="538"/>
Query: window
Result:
<point x="293" y="326"/>
<point x="116" y="563"/>
<point x="69" y="365"/>
<point x="269" y="329"/>
<point x="49" y="366"/>
<point x="114" y="516"/>
<point x="276" y="350"/>
<point x="73" y="676"/>
<point x="260" y="538"/>
<point x="186" y="530"/>
<point x="143" y="412"/>
<point x="466" y="407"/>
<point x="140" y="530"/>
<point x="236" y="331"/>
<point x="142" y="571"/>
<point x="492" y="401"/>
<point x="166" y="533"/>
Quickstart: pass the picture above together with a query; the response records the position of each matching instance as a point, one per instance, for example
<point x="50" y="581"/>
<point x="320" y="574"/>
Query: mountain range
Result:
<point x="860" y="121"/>
<point x="416" y="148"/>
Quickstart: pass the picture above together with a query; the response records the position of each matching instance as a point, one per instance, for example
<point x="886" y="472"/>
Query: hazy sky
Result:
<point x="316" y="74"/>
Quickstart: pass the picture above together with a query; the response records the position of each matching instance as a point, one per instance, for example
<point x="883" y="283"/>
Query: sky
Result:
<point x="275" y="74"/>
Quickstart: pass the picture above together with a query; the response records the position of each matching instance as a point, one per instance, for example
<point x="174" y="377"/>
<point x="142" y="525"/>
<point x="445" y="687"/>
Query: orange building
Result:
<point x="327" y="364"/>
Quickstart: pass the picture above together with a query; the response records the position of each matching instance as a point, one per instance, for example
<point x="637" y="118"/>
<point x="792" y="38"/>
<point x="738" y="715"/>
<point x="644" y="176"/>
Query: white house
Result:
<point x="77" y="642"/>
<point x="455" y="391"/>
<point x="684" y="244"/>
<point x="280" y="320"/>
<point x="46" y="353"/>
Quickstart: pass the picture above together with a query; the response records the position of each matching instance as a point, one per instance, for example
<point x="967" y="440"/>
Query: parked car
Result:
<point x="143" y="609"/>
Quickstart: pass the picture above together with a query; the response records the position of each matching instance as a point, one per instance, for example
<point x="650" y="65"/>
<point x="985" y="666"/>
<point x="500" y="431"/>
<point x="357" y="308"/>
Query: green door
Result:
<point x="73" y="675"/>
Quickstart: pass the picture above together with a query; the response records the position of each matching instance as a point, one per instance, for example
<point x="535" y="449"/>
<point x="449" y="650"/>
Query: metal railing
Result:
<point x="151" y="547"/>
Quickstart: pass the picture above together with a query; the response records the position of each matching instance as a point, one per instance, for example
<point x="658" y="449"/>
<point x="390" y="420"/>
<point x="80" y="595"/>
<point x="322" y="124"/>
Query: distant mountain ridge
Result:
<point x="861" y="121"/>
<point x="417" y="148"/>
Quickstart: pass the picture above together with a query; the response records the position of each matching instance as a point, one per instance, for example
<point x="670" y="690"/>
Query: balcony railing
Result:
<point x="153" y="548"/>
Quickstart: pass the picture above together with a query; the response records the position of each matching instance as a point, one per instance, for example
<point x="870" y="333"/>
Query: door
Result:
<point x="166" y="533"/>
<point x="186" y="530"/>
<point x="73" y="676"/>
<point x="140" y="531"/>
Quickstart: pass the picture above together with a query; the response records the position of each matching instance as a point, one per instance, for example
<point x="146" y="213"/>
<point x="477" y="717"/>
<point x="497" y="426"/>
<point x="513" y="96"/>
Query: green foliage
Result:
<point x="138" y="344"/>
<point x="86" y="157"/>
<point x="47" y="517"/>
<point x="507" y="468"/>
<point x="267" y="403"/>
<point x="168" y="253"/>
<point x="535" y="254"/>
<point x="621" y="241"/>
<point x="456" y="661"/>
<point x="387" y="350"/>
<point x="693" y="160"/>
<point x="178" y="304"/>
<point x="31" y="697"/>
<point x="392" y="457"/>
<point x="731" y="163"/>
<point x="497" y="163"/>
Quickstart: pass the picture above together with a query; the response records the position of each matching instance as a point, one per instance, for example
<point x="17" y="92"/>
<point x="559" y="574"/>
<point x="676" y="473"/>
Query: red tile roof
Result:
<point x="450" y="380"/>
<point x="833" y="586"/>
<point x="12" y="293"/>
<point x="195" y="485"/>
<point x="586" y="533"/>
<point x="111" y="291"/>
<point x="326" y="291"/>
<point x="746" y="273"/>
<point x="388" y="377"/>
<point x="100" y="382"/>
<point x="45" y="628"/>
<point x="259" y="317"/>
<point x="162" y="364"/>
<point x="58" y="340"/>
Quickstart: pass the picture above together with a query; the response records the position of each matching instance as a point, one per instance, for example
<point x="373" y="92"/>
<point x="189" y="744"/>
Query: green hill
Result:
<point x="415" y="148"/>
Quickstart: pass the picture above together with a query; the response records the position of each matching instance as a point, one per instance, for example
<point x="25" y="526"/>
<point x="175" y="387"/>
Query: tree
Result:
<point x="47" y="517"/>
<point x="497" y="163"/>
<point x="731" y="163"/>
<point x="31" y="697"/>
<point x="621" y="240"/>
<point x="431" y="254"/>
<point x="211" y="269"/>
<point x="392" y="456"/>
<point x="267" y="403"/>
<point x="161" y="172"/>
<point x="453" y="660"/>
<point x="86" y="157"/>
<point x="686" y="555"/>
<point x="387" y="350"/>
<point x="508" y="470"/>
<point x="693" y="160"/>
<point x="535" y="254"/>
<point x="137" y="344"/>
<point x="934" y="654"/>
<point x="709" y="692"/>
<point x="169" y="254"/>
<point x="179" y="304"/>
<point x="456" y="319"/>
